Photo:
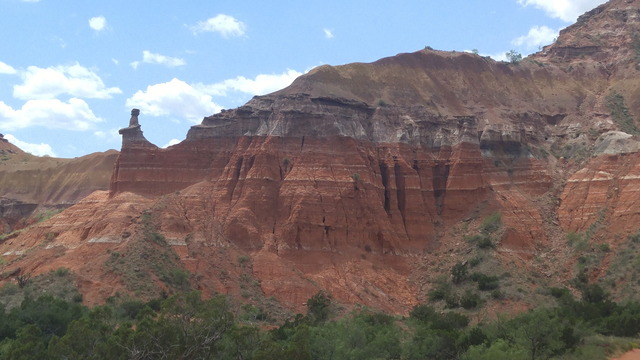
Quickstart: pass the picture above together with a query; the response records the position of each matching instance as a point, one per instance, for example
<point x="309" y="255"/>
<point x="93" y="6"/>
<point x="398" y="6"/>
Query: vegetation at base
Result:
<point x="147" y="257"/>
<point x="185" y="326"/>
<point x="59" y="283"/>
<point x="624" y="268"/>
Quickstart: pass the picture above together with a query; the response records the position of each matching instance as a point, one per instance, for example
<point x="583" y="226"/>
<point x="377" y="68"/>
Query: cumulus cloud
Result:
<point x="151" y="58"/>
<point x="74" y="80"/>
<point x="98" y="23"/>
<point x="260" y="85"/>
<point x="49" y="113"/>
<point x="327" y="33"/>
<point x="111" y="134"/>
<point x="225" y="25"/>
<point x="194" y="101"/>
<point x="41" y="149"/>
<point x="6" y="69"/>
<point x="566" y="10"/>
<point x="537" y="36"/>
<point x="174" y="98"/>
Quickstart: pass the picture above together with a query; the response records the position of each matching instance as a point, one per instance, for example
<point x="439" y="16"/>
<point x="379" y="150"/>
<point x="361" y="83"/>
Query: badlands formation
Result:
<point x="368" y="180"/>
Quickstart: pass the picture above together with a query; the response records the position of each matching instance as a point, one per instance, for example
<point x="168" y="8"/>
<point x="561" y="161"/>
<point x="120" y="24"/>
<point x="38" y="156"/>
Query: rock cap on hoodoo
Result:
<point x="134" y="118"/>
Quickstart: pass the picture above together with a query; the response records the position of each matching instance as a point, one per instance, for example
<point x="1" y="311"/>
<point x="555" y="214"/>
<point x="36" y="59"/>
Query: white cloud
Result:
<point x="172" y="142"/>
<point x="193" y="102"/>
<point x="111" y="134"/>
<point x="497" y="57"/>
<point x="6" y="69"/>
<point x="41" y="149"/>
<point x="174" y="98"/>
<point x="151" y="58"/>
<point x="537" y="36"/>
<point x="49" y="113"/>
<point x="327" y="33"/>
<point x="75" y="80"/>
<point x="98" y="23"/>
<point x="260" y="85"/>
<point x="225" y="25"/>
<point x="566" y="10"/>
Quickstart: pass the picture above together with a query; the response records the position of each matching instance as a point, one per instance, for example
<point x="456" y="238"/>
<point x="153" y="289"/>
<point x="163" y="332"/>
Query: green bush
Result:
<point x="481" y="241"/>
<point x="243" y="260"/>
<point x="470" y="300"/>
<point x="485" y="282"/>
<point x="459" y="273"/>
<point x="318" y="306"/>
<point x="492" y="223"/>
<point x="158" y="238"/>
<point x="559" y="293"/>
<point x="9" y="289"/>
<point x="634" y="238"/>
<point x="451" y="300"/>
<point x="513" y="56"/>
<point x="440" y="291"/>
<point x="62" y="271"/>
<point x="486" y="243"/>
<point x="497" y="294"/>
<point x="594" y="293"/>
<point x="475" y="261"/>
<point x="423" y="313"/>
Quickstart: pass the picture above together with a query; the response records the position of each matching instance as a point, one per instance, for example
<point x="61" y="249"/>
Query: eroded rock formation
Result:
<point x="30" y="185"/>
<point x="357" y="179"/>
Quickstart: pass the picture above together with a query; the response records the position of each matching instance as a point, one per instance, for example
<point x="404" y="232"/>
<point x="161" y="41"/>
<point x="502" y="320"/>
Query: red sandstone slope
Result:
<point x="364" y="179"/>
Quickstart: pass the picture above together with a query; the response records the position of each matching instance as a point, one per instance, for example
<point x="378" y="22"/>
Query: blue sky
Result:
<point x="70" y="71"/>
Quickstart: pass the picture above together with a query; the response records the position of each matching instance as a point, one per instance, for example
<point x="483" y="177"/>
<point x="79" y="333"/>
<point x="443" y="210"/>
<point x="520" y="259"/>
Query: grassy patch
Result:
<point x="492" y="223"/>
<point x="481" y="241"/>
<point x="623" y="273"/>
<point x="620" y="113"/>
<point x="60" y="283"/>
<point x="46" y="215"/>
<point x="149" y="257"/>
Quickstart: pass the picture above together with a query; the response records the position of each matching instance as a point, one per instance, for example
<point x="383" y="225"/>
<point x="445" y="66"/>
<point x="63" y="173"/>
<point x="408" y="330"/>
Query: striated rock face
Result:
<point x="30" y="184"/>
<point x="318" y="192"/>
<point x="358" y="179"/>
<point x="605" y="34"/>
